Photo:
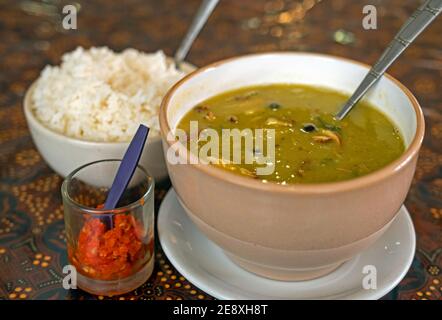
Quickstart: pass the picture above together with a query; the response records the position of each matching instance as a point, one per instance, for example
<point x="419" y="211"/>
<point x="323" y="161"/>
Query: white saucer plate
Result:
<point x="205" y="265"/>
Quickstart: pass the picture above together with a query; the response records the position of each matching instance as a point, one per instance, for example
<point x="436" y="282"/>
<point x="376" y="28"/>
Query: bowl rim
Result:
<point x="33" y="121"/>
<point x="314" y="188"/>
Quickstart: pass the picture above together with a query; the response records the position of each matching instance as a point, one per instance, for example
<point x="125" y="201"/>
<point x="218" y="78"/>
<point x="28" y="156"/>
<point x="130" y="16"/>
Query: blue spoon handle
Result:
<point x="127" y="168"/>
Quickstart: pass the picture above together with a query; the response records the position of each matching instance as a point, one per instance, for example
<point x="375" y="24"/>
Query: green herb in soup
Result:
<point x="310" y="146"/>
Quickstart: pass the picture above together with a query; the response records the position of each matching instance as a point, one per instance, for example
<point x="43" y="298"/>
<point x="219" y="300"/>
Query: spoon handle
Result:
<point x="127" y="167"/>
<point x="198" y="22"/>
<point x="417" y="23"/>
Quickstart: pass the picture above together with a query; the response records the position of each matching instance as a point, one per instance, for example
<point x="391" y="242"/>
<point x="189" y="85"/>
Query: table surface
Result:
<point x="32" y="241"/>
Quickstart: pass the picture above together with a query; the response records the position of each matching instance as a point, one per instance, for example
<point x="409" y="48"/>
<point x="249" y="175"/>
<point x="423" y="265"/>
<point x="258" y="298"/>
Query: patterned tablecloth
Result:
<point x="32" y="240"/>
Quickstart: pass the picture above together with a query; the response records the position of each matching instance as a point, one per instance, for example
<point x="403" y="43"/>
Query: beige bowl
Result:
<point x="65" y="154"/>
<point x="292" y="232"/>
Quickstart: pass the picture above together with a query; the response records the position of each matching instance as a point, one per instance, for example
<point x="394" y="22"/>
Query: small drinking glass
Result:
<point x="112" y="250"/>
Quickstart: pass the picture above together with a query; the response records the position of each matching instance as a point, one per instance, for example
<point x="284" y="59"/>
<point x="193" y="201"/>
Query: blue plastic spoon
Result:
<point x="127" y="168"/>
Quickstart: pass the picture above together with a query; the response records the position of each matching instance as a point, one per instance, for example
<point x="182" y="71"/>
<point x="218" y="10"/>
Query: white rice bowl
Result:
<point x="99" y="95"/>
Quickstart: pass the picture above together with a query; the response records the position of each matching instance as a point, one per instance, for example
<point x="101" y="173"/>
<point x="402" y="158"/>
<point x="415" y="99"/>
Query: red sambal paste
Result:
<point x="105" y="254"/>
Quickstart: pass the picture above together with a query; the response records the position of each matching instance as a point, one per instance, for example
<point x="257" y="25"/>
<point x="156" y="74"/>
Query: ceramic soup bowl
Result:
<point x="291" y="232"/>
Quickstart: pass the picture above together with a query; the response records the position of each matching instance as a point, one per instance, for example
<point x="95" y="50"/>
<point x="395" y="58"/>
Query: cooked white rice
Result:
<point x="100" y="95"/>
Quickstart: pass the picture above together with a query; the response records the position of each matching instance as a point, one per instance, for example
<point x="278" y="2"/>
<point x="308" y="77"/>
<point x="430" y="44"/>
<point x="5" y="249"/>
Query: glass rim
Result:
<point x="143" y="199"/>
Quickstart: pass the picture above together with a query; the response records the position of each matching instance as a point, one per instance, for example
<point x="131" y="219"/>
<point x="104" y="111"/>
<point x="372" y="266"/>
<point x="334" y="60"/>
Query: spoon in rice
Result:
<point x="198" y="23"/>
<point x="417" y="23"/>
